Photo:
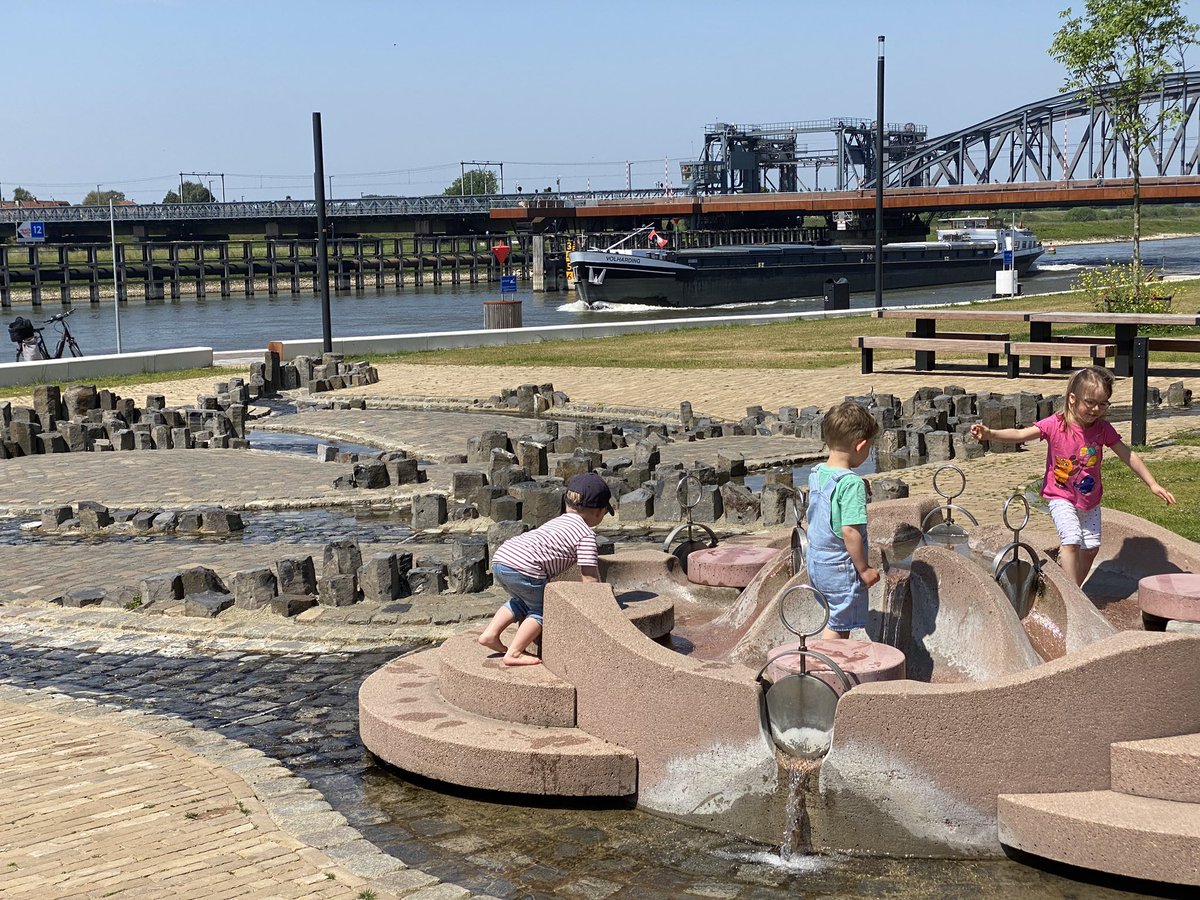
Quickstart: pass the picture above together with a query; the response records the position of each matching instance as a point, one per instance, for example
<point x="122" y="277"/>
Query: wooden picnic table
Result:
<point x="1041" y="329"/>
<point x="925" y="323"/>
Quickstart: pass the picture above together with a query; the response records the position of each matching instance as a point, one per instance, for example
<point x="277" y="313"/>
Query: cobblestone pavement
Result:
<point x="216" y="706"/>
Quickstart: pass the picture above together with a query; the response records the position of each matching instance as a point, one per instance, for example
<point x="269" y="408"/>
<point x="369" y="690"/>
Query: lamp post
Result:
<point x="879" y="180"/>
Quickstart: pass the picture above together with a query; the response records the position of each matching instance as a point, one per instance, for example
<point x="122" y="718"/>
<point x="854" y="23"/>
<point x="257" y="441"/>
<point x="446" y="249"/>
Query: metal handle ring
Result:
<point x="1002" y="559"/>
<point x="799" y="507"/>
<point x="1007" y="503"/>
<point x="950" y="518"/>
<point x="962" y="478"/>
<point x="682" y="491"/>
<point x="821" y="599"/>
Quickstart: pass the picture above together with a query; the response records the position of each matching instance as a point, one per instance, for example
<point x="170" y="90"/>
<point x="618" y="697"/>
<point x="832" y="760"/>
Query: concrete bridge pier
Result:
<point x="539" y="263"/>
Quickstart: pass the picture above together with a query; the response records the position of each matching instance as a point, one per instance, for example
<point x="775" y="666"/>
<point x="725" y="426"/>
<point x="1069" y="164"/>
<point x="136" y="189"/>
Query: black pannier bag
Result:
<point x="20" y="329"/>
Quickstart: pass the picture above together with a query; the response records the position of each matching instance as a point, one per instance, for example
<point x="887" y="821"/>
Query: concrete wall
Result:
<point x="87" y="368"/>
<point x="694" y="725"/>
<point x="916" y="768"/>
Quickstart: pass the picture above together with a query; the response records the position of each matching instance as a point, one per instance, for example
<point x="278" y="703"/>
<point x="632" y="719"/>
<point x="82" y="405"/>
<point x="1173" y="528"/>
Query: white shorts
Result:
<point x="1078" y="527"/>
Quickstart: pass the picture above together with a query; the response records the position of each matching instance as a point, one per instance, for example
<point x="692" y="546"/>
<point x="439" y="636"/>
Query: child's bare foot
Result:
<point x="523" y="660"/>
<point x="492" y="644"/>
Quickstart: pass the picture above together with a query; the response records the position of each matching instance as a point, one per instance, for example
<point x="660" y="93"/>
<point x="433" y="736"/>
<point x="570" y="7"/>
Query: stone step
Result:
<point x="405" y="721"/>
<point x="473" y="678"/>
<point x="1138" y="837"/>
<point x="1165" y="768"/>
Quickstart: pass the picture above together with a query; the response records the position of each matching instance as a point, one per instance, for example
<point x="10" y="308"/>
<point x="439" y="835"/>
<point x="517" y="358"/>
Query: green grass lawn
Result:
<point x="1124" y="491"/>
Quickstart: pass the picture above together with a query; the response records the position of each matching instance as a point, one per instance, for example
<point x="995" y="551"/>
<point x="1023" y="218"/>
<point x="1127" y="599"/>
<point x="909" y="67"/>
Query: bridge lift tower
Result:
<point x="753" y="159"/>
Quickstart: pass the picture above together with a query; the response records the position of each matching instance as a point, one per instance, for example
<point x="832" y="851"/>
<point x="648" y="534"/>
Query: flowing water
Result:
<point x="238" y="322"/>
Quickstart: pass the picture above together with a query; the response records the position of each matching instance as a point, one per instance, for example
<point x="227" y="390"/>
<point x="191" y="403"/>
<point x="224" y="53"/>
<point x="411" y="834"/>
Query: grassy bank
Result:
<point x="1181" y="476"/>
<point x="811" y="344"/>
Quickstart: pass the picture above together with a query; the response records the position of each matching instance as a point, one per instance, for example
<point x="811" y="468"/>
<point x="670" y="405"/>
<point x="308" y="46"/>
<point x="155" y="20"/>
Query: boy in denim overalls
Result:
<point x="837" y="519"/>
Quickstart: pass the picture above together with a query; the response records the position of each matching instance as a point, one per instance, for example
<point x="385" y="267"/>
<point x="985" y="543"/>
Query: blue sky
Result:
<point x="127" y="93"/>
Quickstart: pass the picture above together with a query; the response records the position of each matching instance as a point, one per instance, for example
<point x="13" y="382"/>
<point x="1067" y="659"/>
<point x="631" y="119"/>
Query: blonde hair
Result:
<point x="1092" y="376"/>
<point x="848" y="423"/>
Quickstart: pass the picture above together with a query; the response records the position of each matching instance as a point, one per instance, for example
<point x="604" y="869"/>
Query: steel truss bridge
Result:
<point x="1059" y="151"/>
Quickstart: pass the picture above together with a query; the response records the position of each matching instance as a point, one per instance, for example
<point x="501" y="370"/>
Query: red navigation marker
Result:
<point x="501" y="251"/>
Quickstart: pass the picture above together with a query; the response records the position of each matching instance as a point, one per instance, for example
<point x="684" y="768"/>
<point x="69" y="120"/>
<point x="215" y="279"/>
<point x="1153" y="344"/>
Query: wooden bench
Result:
<point x="993" y="358"/>
<point x="1017" y="349"/>
<point x="928" y="346"/>
<point x="1161" y="344"/>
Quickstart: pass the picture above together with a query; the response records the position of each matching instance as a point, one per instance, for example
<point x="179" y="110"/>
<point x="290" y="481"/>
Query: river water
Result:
<point x="239" y="322"/>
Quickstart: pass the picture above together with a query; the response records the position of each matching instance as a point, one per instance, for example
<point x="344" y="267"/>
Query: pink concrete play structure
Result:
<point x="1066" y="725"/>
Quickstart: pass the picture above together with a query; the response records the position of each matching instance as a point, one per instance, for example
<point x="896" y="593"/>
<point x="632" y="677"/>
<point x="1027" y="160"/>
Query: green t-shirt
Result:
<point x="849" y="506"/>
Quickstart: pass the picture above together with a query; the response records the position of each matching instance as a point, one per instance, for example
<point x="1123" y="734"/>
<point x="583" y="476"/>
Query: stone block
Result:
<point x="891" y="441"/>
<point x="54" y="516"/>
<point x="404" y="471"/>
<point x="500" y="532"/>
<point x="165" y="521"/>
<point x="966" y="447"/>
<point x="466" y="485"/>
<point x="190" y="521"/>
<point x="470" y="546"/>
<point x="142" y="522"/>
<point x="539" y="503"/>
<point x="379" y="578"/>
<point x="201" y="579"/>
<point x="94" y="517"/>
<point x="775" y="504"/>
<point x="710" y="508"/>
<point x="506" y="476"/>
<point x="206" y="604"/>
<point x="181" y="439"/>
<point x="467" y="576"/>
<point x="506" y="508"/>
<point x="254" y="588"/>
<point x="489" y="441"/>
<point x="741" y="505"/>
<point x="666" y="498"/>
<point x="938" y="446"/>
<point x="429" y="579"/>
<point x="341" y="558"/>
<point x="371" y="474"/>
<point x="428" y="511"/>
<point x="337" y="590"/>
<point x="888" y="489"/>
<point x="532" y="457"/>
<point x="78" y="598"/>
<point x="220" y="521"/>
<point x="289" y="605"/>
<point x="1178" y="395"/>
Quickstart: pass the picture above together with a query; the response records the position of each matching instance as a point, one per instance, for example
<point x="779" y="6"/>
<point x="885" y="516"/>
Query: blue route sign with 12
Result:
<point x="31" y="232"/>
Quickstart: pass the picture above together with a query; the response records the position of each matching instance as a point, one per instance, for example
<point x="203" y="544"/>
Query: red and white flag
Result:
<point x="655" y="238"/>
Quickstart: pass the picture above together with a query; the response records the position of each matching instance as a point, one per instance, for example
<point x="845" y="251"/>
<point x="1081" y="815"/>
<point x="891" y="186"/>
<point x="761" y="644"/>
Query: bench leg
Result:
<point x="1064" y="364"/>
<point x="1041" y="333"/>
<point x="993" y="360"/>
<point x="926" y="361"/>
<point x="868" y="360"/>
<point x="1014" y="365"/>
<point x="1123" y="365"/>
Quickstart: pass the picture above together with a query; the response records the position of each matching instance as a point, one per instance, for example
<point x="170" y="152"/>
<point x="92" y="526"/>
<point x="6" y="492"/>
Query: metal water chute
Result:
<point x="1018" y="578"/>
<point x="947" y="532"/>
<point x="688" y="490"/>
<point x="800" y="706"/>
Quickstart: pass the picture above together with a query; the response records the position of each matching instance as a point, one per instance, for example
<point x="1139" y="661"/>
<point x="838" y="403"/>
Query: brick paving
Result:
<point x="103" y="798"/>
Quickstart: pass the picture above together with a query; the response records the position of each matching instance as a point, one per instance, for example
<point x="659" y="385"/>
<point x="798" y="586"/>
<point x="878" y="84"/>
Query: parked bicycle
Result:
<point x="31" y="346"/>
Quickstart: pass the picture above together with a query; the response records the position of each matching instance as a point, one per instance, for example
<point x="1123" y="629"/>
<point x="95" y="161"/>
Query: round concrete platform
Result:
<point x="728" y="566"/>
<point x="1172" y="596"/>
<point x="862" y="661"/>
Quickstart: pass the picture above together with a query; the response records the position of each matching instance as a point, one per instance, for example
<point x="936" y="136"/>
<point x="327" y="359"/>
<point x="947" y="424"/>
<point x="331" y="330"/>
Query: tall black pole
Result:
<point x="879" y="180"/>
<point x="322" y="235"/>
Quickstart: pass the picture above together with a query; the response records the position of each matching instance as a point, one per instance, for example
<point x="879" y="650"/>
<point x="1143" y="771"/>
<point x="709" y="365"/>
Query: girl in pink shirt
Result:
<point x="1075" y="441"/>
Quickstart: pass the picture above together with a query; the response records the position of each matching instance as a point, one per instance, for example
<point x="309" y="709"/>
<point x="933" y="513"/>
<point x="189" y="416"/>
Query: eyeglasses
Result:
<point x="1094" y="404"/>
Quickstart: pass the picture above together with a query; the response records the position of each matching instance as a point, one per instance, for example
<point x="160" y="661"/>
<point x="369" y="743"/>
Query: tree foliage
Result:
<point x="473" y="181"/>
<point x="1115" y="52"/>
<point x="22" y="195"/>
<point x="193" y="192"/>
<point x="101" y="198"/>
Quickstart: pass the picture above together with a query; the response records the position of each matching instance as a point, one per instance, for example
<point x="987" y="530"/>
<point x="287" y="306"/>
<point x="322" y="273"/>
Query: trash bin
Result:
<point x="837" y="293"/>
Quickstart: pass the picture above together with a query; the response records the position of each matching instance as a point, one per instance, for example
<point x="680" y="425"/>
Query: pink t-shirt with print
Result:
<point x="1073" y="459"/>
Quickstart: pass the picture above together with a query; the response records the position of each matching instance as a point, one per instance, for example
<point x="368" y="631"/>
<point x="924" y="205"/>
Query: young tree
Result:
<point x="193" y="192"/>
<point x="22" y="195"/>
<point x="473" y="181"/>
<point x="1115" y="52"/>
<point x="101" y="198"/>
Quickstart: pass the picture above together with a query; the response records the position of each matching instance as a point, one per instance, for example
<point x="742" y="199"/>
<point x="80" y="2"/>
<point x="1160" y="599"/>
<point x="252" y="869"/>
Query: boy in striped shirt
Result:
<point x="522" y="565"/>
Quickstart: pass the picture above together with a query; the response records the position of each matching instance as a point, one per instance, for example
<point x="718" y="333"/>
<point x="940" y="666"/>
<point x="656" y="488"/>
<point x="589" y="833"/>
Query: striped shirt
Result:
<point x="551" y="549"/>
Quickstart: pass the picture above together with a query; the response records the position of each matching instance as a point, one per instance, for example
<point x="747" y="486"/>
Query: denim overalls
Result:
<point x="829" y="567"/>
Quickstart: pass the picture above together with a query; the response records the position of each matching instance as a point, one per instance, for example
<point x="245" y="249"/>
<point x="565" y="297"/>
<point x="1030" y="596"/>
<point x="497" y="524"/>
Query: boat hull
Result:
<point x="758" y="275"/>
